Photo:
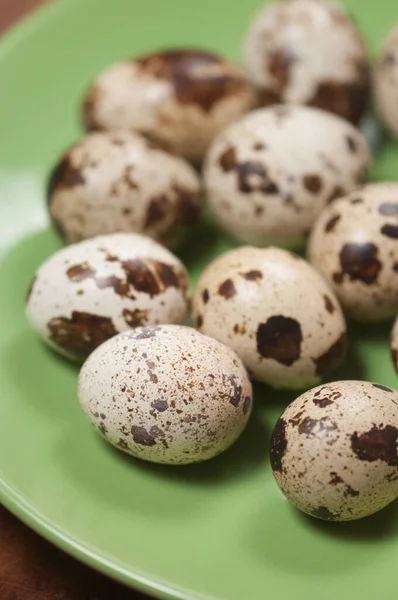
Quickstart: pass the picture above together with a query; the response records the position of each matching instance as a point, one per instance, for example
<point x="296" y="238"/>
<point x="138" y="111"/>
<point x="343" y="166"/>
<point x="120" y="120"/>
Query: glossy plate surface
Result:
<point x="219" y="530"/>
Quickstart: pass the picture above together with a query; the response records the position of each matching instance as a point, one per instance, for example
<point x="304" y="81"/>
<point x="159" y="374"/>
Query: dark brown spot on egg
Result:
<point x="330" y="359"/>
<point x="246" y="405"/>
<point x="389" y="209"/>
<point x="352" y="144"/>
<point x="360" y="262"/>
<point x="236" y="395"/>
<point x="252" y="177"/>
<point x="197" y="77"/>
<point x="89" y="106"/>
<point x="349" y="491"/>
<point x="322" y="512"/>
<point x="278" y="445"/>
<point x="151" y="276"/>
<point x="336" y="192"/>
<point x="199" y="322"/>
<point x="383" y="387"/>
<point x="102" y="428"/>
<point x="80" y="272"/>
<point x="227" y="160"/>
<point x="258" y="146"/>
<point x="280" y="63"/>
<point x="379" y="443"/>
<point x="356" y="200"/>
<point x="160" y="405"/>
<point x="205" y="296"/>
<point x="81" y="333"/>
<point x="253" y="275"/>
<point x="280" y="338"/>
<point x="123" y="444"/>
<point x="157" y="210"/>
<point x="316" y="427"/>
<point x="136" y="317"/>
<point x="64" y="176"/>
<point x="390" y="231"/>
<point x="227" y="289"/>
<point x="330" y="307"/>
<point x="142" y="437"/>
<point x="322" y="402"/>
<point x="312" y="183"/>
<point x="331" y="223"/>
<point x="188" y="205"/>
<point x="335" y="479"/>
<point x="387" y="60"/>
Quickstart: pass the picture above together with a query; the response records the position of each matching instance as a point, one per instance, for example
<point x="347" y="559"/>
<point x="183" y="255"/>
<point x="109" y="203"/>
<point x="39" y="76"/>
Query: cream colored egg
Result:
<point x="180" y="98"/>
<point x="386" y="82"/>
<point x="394" y="344"/>
<point x="166" y="394"/>
<point x="275" y="311"/>
<point x="110" y="183"/>
<point x="334" y="450"/>
<point x="309" y="52"/>
<point x="354" y="244"/>
<point x="269" y="175"/>
<point x="89" y="292"/>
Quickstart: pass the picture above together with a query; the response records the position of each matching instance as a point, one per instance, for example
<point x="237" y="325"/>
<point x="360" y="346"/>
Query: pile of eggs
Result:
<point x="272" y="150"/>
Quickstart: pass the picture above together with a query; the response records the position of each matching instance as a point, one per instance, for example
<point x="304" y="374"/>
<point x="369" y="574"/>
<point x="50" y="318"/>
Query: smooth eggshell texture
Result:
<point x="309" y="52"/>
<point x="166" y="394"/>
<point x="334" y="450"/>
<point x="180" y="98"/>
<point x="111" y="183"/>
<point x="386" y="83"/>
<point x="354" y="244"/>
<point x="88" y="292"/>
<point x="275" y="311"/>
<point x="394" y="344"/>
<point x="269" y="175"/>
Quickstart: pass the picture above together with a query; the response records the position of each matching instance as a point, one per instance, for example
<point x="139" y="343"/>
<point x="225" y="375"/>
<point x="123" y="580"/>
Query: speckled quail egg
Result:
<point x="309" y="52"/>
<point x="386" y="83"/>
<point x="110" y="183"/>
<point x="394" y="344"/>
<point x="334" y="450"/>
<point x="166" y="394"/>
<point x="269" y="175"/>
<point x="90" y="291"/>
<point x="180" y="98"/>
<point x="354" y="244"/>
<point x="275" y="311"/>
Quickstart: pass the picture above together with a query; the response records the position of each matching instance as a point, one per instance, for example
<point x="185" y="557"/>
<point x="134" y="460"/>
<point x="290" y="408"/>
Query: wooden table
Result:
<point x="30" y="567"/>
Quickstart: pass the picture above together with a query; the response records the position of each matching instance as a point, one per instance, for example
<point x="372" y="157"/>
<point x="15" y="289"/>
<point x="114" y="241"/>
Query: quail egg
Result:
<point x="334" y="450"/>
<point x="275" y="311"/>
<point x="166" y="394"/>
<point x="111" y="183"/>
<point x="90" y="291"/>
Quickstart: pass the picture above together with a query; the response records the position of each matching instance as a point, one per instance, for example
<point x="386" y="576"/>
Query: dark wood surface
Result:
<point x="30" y="567"/>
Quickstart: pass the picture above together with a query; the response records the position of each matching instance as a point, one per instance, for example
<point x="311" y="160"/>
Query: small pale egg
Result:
<point x="89" y="292"/>
<point x="269" y="175"/>
<point x="166" y="394"/>
<point x="354" y="244"/>
<point x="386" y="83"/>
<point x="275" y="311"/>
<point x="111" y="183"/>
<point x="309" y="52"/>
<point x="334" y="450"/>
<point x="180" y="98"/>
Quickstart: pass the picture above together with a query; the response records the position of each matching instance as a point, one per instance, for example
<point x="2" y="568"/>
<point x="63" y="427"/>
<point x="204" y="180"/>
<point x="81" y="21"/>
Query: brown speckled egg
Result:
<point x="334" y="450"/>
<point x="309" y="52"/>
<point x="394" y="344"/>
<point x="166" y="394"/>
<point x="269" y="175"/>
<point x="354" y="244"/>
<point x="89" y="292"/>
<point x="121" y="182"/>
<point x="180" y="98"/>
<point x="386" y="83"/>
<point x="275" y="311"/>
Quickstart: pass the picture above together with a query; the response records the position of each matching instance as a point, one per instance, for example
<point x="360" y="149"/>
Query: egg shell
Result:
<point x="394" y="344"/>
<point x="180" y="98"/>
<point x="334" y="450"/>
<point x="269" y="175"/>
<point x="354" y="244"/>
<point x="110" y="183"/>
<point x="386" y="82"/>
<point x="90" y="291"/>
<point x="166" y="394"/>
<point x="309" y="52"/>
<point x="275" y="311"/>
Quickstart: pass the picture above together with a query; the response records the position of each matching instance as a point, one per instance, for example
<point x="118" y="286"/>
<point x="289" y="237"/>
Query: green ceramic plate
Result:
<point x="219" y="530"/>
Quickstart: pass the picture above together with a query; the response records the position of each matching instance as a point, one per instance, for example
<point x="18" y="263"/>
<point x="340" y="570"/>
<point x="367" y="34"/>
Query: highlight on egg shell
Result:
<point x="90" y="291"/>
<point x="354" y="245"/>
<point x="334" y="450"/>
<point x="309" y="52"/>
<point x="277" y="313"/>
<point x="122" y="182"/>
<point x="166" y="394"/>
<point x="181" y="98"/>
<point x="269" y="175"/>
<point x="386" y="83"/>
